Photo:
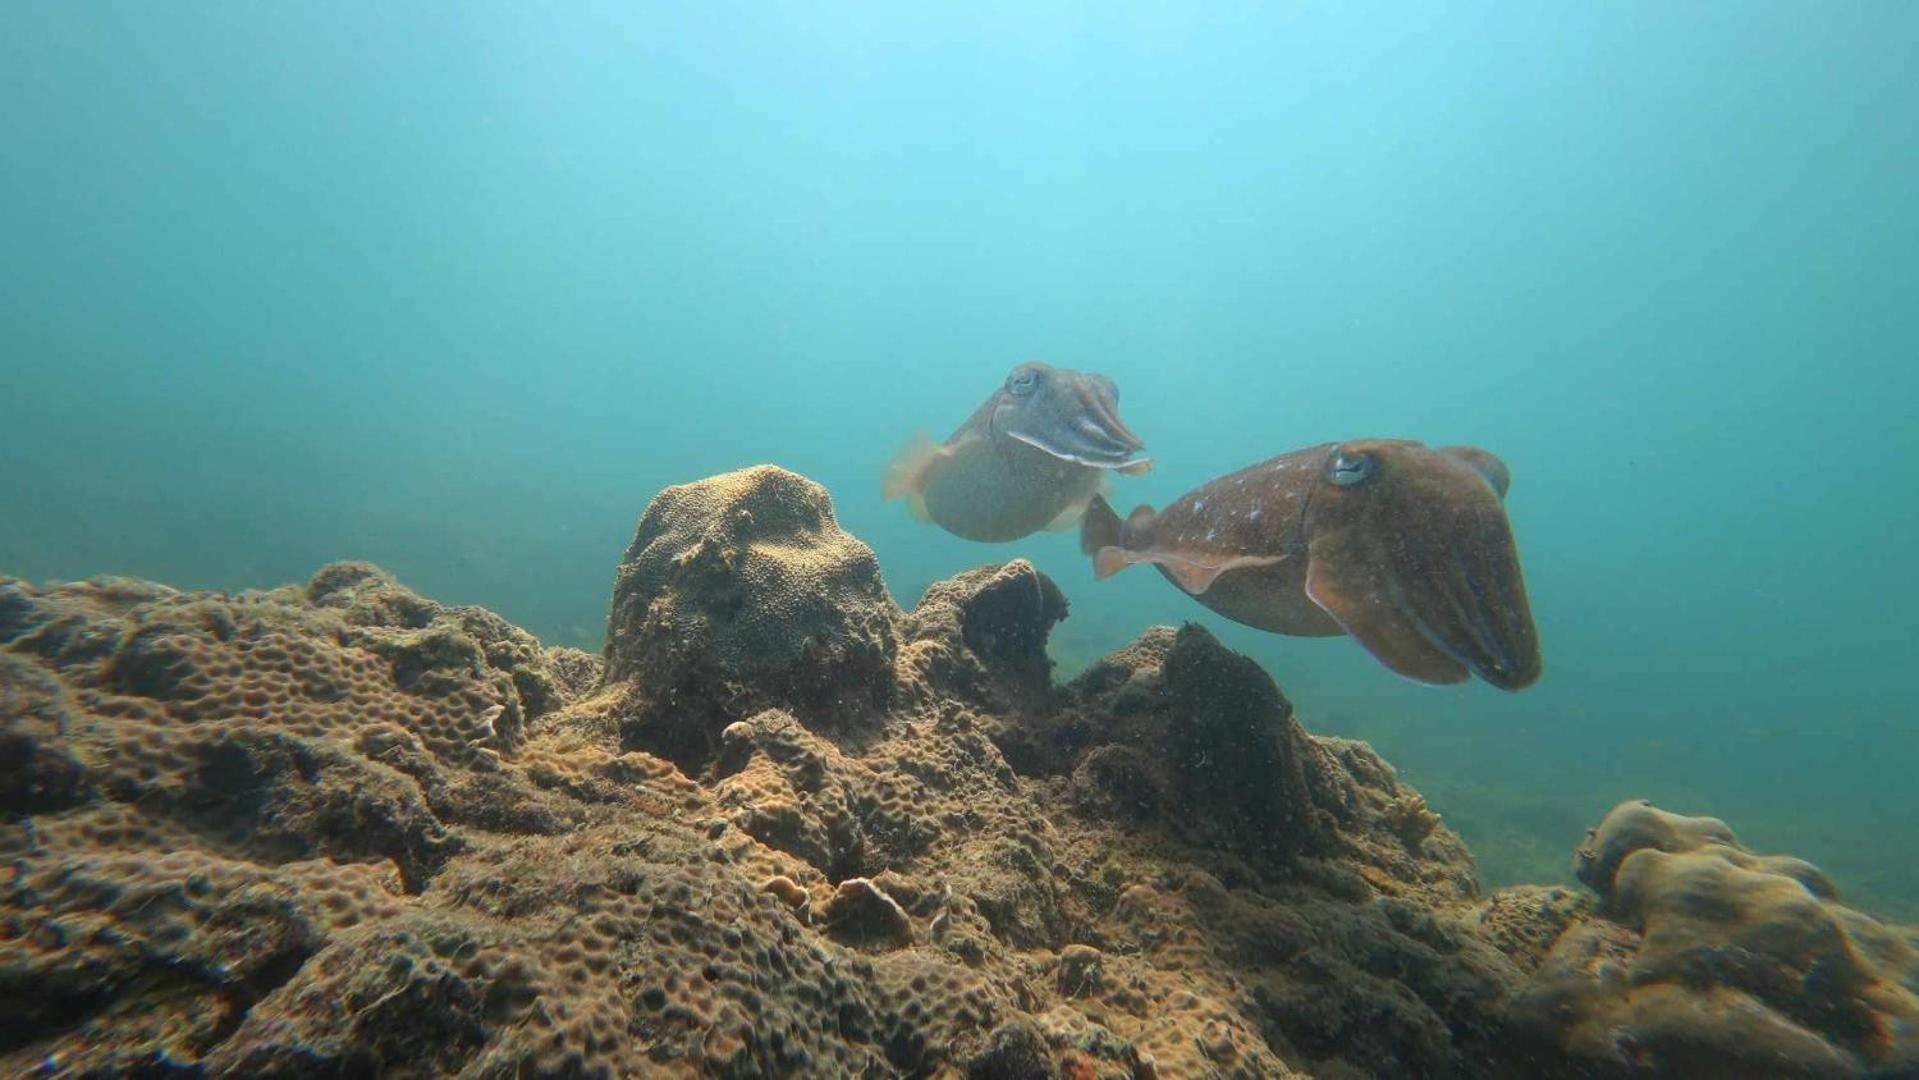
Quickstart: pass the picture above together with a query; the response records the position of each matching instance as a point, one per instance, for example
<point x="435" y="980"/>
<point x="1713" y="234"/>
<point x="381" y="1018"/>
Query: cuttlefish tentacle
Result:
<point x="1072" y="418"/>
<point x="1418" y="563"/>
<point x="1345" y="580"/>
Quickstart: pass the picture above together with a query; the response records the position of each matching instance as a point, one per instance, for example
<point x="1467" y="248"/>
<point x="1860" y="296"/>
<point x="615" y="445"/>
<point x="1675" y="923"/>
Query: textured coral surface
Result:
<point x="1713" y="961"/>
<point x="789" y="829"/>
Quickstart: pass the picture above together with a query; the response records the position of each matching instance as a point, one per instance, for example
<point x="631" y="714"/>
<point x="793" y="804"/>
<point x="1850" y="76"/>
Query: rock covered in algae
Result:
<point x="1712" y="961"/>
<point x="741" y="592"/>
<point x="339" y="829"/>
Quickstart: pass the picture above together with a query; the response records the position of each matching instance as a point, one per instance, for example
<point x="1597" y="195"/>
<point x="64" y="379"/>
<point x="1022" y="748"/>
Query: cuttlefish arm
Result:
<point x="1071" y="415"/>
<point x="1411" y="553"/>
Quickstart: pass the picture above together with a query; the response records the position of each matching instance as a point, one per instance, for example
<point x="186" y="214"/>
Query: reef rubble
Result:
<point x="785" y="828"/>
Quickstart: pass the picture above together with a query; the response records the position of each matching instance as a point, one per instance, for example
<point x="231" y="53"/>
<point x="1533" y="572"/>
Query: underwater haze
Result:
<point x="457" y="288"/>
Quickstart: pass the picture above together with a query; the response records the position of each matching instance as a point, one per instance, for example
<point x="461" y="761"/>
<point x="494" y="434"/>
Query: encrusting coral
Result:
<point x="1712" y="961"/>
<point x="784" y="828"/>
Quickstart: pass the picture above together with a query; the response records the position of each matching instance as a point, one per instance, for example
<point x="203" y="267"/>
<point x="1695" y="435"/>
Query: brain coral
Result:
<point x="1716" y="962"/>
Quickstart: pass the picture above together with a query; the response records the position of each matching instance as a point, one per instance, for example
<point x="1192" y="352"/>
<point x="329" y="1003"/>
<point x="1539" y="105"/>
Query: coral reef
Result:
<point x="1712" y="961"/>
<point x="785" y="828"/>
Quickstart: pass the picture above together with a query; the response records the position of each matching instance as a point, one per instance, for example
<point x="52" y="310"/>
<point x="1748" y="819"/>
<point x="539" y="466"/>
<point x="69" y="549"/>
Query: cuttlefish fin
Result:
<point x="1108" y="561"/>
<point x="1193" y="577"/>
<point x="906" y="473"/>
<point x="1196" y="576"/>
<point x="1386" y="628"/>
<point x="1099" y="526"/>
<point x="1137" y="468"/>
<point x="1116" y="545"/>
<point x="1067" y="518"/>
<point x="1483" y="463"/>
<point x="1103" y="536"/>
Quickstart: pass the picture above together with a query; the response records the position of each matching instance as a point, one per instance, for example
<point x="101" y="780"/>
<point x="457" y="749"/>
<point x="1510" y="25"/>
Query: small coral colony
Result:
<point x="1405" y="547"/>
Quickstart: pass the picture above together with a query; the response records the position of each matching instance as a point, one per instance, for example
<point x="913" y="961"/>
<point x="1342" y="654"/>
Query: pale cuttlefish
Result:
<point x="1032" y="457"/>
<point x="1403" y="546"/>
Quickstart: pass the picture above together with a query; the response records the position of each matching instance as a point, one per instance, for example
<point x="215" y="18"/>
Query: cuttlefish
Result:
<point x="1405" y="547"/>
<point x="1032" y="457"/>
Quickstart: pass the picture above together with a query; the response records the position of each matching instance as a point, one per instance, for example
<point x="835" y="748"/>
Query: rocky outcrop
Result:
<point x="740" y="593"/>
<point x="1179" y="729"/>
<point x="784" y="829"/>
<point x="982" y="637"/>
<point x="1712" y="961"/>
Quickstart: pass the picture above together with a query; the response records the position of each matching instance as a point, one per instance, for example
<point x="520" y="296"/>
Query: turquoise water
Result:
<point x="457" y="288"/>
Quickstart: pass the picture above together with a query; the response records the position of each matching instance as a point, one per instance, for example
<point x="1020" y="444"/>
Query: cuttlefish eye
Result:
<point x="1349" y="469"/>
<point x="1023" y="380"/>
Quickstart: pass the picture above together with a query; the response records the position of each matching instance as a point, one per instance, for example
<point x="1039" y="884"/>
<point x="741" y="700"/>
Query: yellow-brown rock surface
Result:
<point x="785" y="829"/>
<point x="1712" y="961"/>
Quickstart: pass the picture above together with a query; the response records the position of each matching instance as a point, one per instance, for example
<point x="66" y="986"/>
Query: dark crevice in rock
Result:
<point x="38" y="776"/>
<point x="261" y="981"/>
<point x="42" y="1013"/>
<point x="17" y="611"/>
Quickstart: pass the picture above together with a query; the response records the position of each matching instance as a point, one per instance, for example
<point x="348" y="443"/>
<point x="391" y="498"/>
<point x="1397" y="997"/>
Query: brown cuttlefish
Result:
<point x="1404" y="546"/>
<point x="1032" y="457"/>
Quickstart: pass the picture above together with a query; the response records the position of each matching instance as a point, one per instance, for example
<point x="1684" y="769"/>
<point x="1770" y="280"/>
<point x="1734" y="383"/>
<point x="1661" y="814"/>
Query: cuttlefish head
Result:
<point x="1410" y="551"/>
<point x="1072" y="415"/>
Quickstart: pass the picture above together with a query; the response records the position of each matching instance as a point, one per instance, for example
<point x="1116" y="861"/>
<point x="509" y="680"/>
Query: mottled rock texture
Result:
<point x="1712" y="961"/>
<point x="740" y="593"/>
<point x="784" y="828"/>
